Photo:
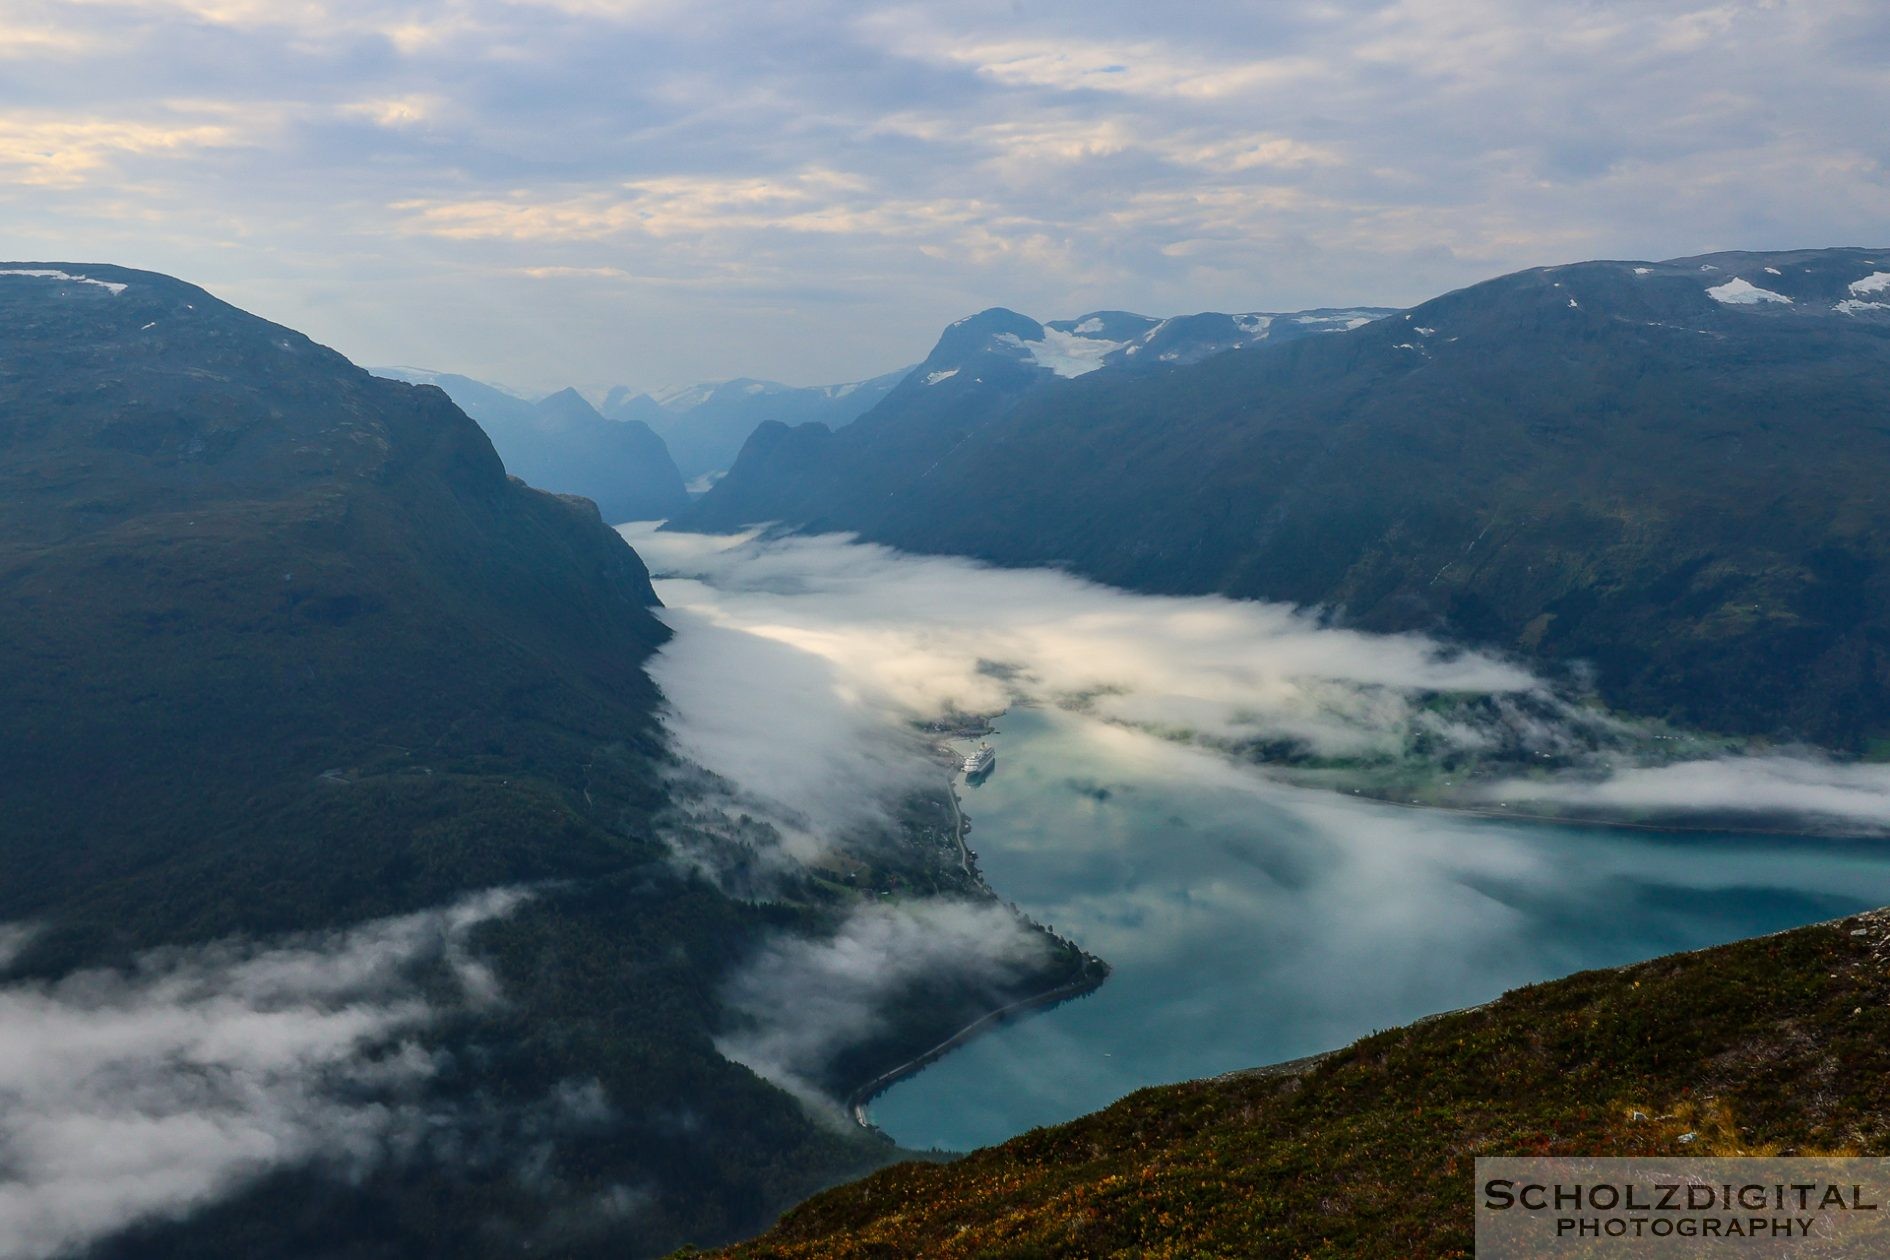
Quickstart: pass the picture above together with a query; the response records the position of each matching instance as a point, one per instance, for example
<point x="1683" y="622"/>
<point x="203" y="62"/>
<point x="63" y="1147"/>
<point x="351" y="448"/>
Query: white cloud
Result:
<point x="802" y="667"/>
<point x="800" y="1000"/>
<point x="63" y="151"/>
<point x="809" y="192"/>
<point x="148" y="1093"/>
<point x="1853" y="797"/>
<point x="801" y="664"/>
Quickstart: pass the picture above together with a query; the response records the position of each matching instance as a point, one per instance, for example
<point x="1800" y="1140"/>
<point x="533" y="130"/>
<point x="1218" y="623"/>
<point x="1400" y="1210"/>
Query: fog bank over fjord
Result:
<point x="802" y="664"/>
<point x="149" y="1093"/>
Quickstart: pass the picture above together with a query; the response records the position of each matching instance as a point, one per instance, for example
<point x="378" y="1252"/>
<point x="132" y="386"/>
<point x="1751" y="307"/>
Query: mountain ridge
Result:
<point x="1552" y="463"/>
<point x="290" y="653"/>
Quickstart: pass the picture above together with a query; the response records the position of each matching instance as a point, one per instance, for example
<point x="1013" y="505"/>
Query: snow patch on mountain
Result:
<point x="1065" y="353"/>
<point x="115" y="289"/>
<point x="1738" y="292"/>
<point x="1877" y="282"/>
<point x="933" y="378"/>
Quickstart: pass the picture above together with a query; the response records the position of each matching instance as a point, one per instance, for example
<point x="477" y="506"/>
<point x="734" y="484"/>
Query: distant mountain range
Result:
<point x="706" y="425"/>
<point x="983" y="368"/>
<point x="562" y="443"/>
<point x="1669" y="473"/>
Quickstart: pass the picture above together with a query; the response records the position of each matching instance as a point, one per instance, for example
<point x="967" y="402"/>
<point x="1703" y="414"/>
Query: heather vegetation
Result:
<point x="1771" y="1046"/>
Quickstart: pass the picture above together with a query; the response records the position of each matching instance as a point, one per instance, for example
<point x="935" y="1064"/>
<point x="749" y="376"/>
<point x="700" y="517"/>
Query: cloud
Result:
<point x="14" y="938"/>
<point x="738" y="166"/>
<point x="803" y="668"/>
<point x="1853" y="797"/>
<point x="147" y="1093"/>
<point x="54" y="151"/>
<point x="800" y="1001"/>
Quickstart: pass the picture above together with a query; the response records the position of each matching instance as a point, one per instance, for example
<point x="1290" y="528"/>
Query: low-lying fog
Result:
<point x="1247" y="917"/>
<point x="149" y="1093"/>
<point x="803" y="651"/>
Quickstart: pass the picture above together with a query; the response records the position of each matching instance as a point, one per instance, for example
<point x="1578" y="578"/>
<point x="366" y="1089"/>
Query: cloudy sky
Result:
<point x="661" y="191"/>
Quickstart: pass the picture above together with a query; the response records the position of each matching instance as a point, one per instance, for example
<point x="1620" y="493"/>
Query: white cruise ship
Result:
<point x="981" y="760"/>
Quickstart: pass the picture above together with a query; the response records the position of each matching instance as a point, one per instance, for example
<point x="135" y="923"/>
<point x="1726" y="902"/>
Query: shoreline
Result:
<point x="1095" y="972"/>
<point x="857" y="1101"/>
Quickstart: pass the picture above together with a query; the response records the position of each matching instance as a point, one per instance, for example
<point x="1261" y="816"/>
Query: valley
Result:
<point x="638" y="849"/>
<point x="959" y="631"/>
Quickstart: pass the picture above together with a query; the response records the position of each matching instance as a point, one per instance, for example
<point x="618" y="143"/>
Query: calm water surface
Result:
<point x="1250" y="923"/>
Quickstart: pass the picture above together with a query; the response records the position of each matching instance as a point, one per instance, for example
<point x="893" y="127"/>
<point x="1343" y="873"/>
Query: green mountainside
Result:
<point x="1671" y="473"/>
<point x="288" y="651"/>
<point x="1771" y="1046"/>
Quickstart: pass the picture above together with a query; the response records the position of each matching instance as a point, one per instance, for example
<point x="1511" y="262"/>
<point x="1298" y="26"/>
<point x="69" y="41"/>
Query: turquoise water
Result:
<point x="1250" y="923"/>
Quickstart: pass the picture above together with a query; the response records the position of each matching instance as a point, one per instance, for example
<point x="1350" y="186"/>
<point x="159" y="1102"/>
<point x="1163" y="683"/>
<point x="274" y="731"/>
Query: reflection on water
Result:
<point x="1250" y="923"/>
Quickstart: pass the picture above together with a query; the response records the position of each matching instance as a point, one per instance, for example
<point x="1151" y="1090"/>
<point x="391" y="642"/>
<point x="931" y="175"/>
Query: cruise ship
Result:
<point x="981" y="760"/>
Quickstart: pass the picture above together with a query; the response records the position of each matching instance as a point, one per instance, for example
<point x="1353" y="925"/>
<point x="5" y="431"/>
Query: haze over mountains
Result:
<point x="562" y="442"/>
<point x="705" y="425"/>
<point x="1668" y="473"/>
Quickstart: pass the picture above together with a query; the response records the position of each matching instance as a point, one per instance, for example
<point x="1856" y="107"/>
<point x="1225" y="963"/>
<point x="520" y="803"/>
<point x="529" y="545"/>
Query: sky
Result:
<point x="656" y="192"/>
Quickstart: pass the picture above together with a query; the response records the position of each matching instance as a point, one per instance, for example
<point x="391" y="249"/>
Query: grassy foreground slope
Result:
<point x="1768" y="1046"/>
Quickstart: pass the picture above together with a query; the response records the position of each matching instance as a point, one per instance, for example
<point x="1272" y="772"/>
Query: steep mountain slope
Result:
<point x="286" y="652"/>
<point x="563" y="444"/>
<point x="982" y="368"/>
<point x="1671" y="472"/>
<point x="1767" y="1046"/>
<point x="706" y="425"/>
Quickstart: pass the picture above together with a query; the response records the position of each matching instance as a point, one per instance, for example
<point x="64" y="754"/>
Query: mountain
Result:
<point x="1769" y="1046"/>
<point x="1669" y="474"/>
<point x="563" y="444"/>
<point x="288" y="653"/>
<point x="983" y="368"/>
<point x="705" y="425"/>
